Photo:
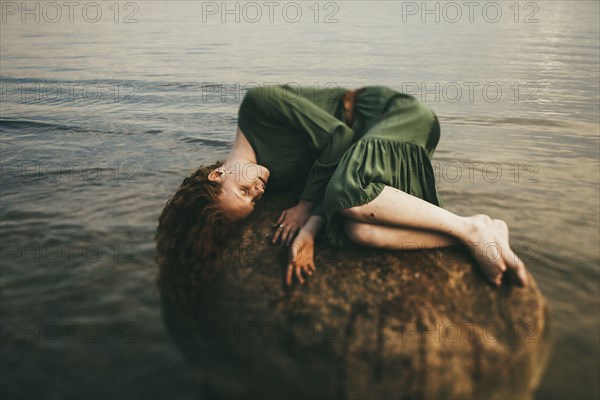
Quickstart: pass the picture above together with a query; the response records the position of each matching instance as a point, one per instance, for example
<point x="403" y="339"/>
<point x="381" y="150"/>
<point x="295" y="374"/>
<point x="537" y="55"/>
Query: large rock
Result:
<point x="369" y="324"/>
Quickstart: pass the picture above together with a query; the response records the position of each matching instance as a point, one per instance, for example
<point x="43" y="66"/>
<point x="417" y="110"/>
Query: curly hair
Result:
<point x="191" y="230"/>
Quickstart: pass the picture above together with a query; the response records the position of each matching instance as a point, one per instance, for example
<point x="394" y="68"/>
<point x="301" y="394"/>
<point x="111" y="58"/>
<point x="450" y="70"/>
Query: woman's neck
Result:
<point x="241" y="150"/>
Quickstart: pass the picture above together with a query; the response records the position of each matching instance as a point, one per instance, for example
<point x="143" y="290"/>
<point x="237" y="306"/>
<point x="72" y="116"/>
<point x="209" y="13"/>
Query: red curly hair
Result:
<point x="191" y="230"/>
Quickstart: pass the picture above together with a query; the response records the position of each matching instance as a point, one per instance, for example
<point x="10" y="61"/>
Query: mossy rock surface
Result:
<point x="369" y="324"/>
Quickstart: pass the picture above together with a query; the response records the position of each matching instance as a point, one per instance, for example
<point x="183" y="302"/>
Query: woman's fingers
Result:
<point x="284" y="233"/>
<point x="293" y="268"/>
<point x="277" y="234"/>
<point x="281" y="217"/>
<point x="291" y="265"/>
<point x="290" y="235"/>
<point x="299" y="275"/>
<point x="278" y="227"/>
<point x="280" y="233"/>
<point x="288" y="277"/>
<point x="299" y="265"/>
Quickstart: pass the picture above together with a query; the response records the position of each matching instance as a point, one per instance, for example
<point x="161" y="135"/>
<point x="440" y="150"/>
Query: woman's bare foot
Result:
<point x="488" y="240"/>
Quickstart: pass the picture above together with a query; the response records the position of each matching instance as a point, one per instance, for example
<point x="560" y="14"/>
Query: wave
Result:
<point x="208" y="142"/>
<point x="7" y="124"/>
<point x="26" y="124"/>
<point x="490" y="121"/>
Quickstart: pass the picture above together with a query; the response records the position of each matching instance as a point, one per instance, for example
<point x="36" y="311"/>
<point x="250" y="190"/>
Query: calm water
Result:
<point x="100" y="121"/>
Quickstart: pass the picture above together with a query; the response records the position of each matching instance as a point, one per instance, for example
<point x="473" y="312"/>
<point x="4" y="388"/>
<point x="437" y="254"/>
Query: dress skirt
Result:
<point x="397" y="136"/>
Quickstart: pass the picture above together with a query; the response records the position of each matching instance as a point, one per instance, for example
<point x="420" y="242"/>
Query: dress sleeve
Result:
<point x="319" y="210"/>
<point x="327" y="136"/>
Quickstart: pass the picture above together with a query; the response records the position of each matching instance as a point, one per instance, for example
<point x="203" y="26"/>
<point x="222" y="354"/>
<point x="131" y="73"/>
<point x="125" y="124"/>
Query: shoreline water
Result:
<point x="101" y="122"/>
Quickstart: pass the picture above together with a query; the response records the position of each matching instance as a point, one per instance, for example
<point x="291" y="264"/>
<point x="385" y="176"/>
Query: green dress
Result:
<point x="299" y="133"/>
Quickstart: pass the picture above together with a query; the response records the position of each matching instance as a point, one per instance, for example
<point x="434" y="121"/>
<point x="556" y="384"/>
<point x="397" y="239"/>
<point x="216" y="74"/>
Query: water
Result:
<point x="101" y="121"/>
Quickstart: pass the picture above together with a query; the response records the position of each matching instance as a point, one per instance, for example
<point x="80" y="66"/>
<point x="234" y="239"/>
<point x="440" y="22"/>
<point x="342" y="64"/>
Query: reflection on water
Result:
<point x="101" y="121"/>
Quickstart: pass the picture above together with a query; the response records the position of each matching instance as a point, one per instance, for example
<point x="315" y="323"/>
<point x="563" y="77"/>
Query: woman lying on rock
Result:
<point x="364" y="160"/>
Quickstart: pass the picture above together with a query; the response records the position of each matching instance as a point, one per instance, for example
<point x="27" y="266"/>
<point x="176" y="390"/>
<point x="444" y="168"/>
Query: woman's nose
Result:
<point x="259" y="188"/>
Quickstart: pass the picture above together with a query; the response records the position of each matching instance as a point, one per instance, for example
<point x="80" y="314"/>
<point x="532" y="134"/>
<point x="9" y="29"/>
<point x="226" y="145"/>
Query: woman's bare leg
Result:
<point x="487" y="238"/>
<point x="394" y="238"/>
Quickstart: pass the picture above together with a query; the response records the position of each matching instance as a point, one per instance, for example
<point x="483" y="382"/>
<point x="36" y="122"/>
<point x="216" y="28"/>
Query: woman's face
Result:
<point x="243" y="185"/>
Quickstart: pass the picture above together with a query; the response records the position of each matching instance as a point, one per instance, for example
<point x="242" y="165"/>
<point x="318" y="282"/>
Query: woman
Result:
<point x="363" y="158"/>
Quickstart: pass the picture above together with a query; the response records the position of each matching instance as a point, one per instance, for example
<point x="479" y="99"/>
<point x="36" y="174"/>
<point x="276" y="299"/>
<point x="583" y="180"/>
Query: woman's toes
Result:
<point x="495" y="280"/>
<point x="522" y="274"/>
<point x="516" y="267"/>
<point x="498" y="278"/>
<point x="518" y="273"/>
<point x="494" y="271"/>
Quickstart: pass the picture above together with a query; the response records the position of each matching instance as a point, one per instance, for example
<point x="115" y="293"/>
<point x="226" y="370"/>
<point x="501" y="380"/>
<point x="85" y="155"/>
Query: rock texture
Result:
<point x="369" y="324"/>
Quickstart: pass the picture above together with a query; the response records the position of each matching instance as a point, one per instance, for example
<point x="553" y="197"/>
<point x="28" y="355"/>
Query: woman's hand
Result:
<point x="290" y="221"/>
<point x="302" y="255"/>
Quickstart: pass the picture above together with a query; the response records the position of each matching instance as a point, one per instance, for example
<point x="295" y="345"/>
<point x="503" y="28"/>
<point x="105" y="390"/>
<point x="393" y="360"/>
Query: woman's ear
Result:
<point x="215" y="174"/>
